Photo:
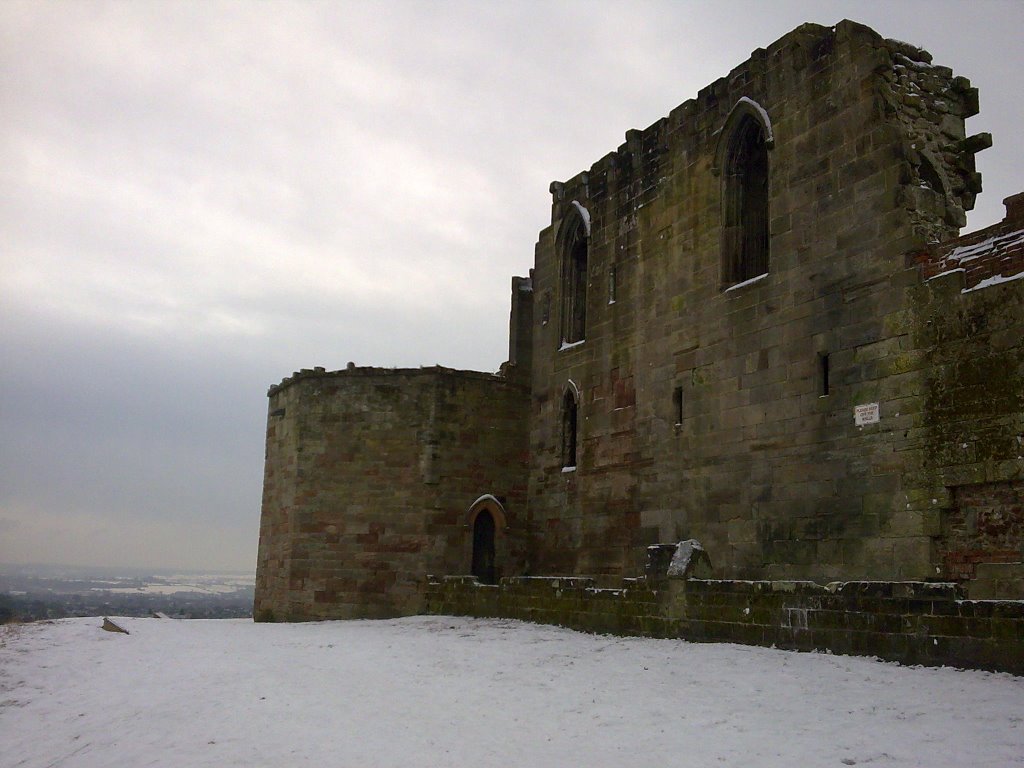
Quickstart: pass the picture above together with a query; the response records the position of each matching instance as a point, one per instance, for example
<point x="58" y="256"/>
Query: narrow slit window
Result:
<point x="570" y="424"/>
<point x="677" y="404"/>
<point x="611" y="285"/>
<point x="823" y="373"/>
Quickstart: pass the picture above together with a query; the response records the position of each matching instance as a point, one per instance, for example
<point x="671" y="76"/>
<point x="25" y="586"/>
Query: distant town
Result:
<point x="34" y="592"/>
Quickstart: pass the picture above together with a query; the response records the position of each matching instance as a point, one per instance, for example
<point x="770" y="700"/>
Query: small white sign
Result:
<point x="865" y="414"/>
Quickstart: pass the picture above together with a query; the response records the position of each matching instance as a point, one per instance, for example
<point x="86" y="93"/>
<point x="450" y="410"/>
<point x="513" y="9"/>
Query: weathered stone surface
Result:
<point x="371" y="479"/>
<point x="659" y="558"/>
<point x="689" y="561"/>
<point x="663" y="384"/>
<point x="910" y="622"/>
<point x="727" y="415"/>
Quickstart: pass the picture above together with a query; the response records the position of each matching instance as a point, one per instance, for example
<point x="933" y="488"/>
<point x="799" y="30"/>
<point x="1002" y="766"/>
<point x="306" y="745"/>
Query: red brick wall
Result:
<point x="985" y="525"/>
<point x="994" y="251"/>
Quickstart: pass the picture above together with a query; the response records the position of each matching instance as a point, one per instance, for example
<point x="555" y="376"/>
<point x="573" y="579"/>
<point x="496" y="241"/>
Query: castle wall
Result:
<point x="703" y="411"/>
<point x="908" y="622"/>
<point x="970" y="427"/>
<point x="280" y="487"/>
<point x="855" y="412"/>
<point x="370" y="477"/>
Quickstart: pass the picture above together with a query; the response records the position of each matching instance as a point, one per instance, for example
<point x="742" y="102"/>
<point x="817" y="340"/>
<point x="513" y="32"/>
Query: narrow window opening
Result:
<point x="745" y="233"/>
<point x="574" y="285"/>
<point x="545" y="313"/>
<point x="823" y="384"/>
<point x="677" y="404"/>
<point x="570" y="412"/>
<point x="611" y="285"/>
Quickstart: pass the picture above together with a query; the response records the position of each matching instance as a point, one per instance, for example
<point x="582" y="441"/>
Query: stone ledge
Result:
<point x="371" y="372"/>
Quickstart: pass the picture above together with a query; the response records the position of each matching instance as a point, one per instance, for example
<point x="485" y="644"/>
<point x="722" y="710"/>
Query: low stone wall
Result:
<point x="909" y="622"/>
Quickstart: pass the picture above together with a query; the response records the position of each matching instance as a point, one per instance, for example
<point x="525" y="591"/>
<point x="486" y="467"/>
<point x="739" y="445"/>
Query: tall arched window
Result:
<point x="743" y="162"/>
<point x="574" y="249"/>
<point x="570" y="426"/>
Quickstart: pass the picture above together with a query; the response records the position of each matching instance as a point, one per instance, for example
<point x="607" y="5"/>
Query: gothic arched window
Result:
<point x="574" y="253"/>
<point x="743" y="162"/>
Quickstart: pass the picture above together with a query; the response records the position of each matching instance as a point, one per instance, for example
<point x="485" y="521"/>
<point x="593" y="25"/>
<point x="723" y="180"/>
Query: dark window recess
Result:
<point x="611" y="285"/>
<point x="823" y="385"/>
<point x="483" y="548"/>
<point x="574" y="284"/>
<point x="569" y="426"/>
<point x="677" y="404"/>
<point x="745" y="200"/>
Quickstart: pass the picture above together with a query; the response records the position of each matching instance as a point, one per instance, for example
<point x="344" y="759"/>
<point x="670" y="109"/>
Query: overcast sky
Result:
<point x="197" y="199"/>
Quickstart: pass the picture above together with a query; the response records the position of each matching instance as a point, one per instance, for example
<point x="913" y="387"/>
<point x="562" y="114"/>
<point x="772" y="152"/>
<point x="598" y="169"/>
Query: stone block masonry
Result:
<point x="370" y="481"/>
<point x="722" y="408"/>
<point x="908" y="622"/>
<point x="754" y="324"/>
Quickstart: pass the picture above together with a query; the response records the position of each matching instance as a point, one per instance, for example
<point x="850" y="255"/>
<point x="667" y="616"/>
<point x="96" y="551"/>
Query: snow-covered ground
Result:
<point x="441" y="691"/>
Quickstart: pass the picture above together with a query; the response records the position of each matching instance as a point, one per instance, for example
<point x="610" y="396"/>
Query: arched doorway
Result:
<point x="483" y="547"/>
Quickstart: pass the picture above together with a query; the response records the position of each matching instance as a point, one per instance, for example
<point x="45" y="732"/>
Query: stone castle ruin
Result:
<point x="753" y="325"/>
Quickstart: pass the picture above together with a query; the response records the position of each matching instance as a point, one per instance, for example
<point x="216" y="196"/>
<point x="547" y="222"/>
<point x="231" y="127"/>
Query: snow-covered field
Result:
<point x="441" y="691"/>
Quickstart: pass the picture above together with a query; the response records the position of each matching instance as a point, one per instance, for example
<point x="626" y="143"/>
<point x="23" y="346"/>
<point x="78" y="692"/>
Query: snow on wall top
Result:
<point x="988" y="257"/>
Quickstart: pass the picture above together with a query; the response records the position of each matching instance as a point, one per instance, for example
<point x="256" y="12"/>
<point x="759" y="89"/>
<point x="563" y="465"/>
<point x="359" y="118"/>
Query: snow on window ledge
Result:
<point x="745" y="283"/>
<point x="569" y="469"/>
<point x="571" y="344"/>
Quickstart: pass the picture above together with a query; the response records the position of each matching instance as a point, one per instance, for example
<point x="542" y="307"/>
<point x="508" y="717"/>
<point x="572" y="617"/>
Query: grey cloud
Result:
<point x="197" y="199"/>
